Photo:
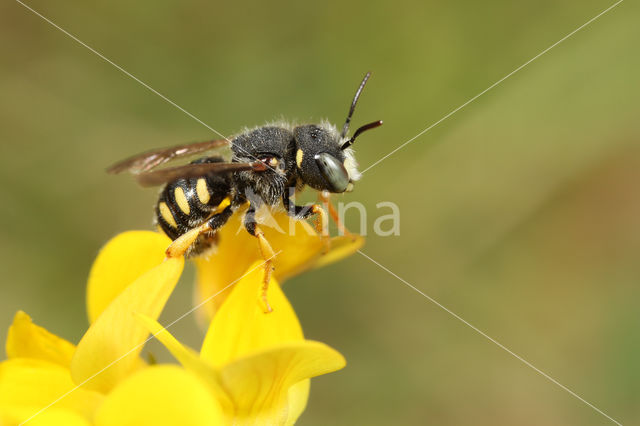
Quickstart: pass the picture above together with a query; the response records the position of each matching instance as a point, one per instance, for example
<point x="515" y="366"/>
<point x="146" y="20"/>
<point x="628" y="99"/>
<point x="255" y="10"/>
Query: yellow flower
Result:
<point x="257" y="364"/>
<point x="253" y="368"/>
<point x="42" y="371"/>
<point x="298" y="245"/>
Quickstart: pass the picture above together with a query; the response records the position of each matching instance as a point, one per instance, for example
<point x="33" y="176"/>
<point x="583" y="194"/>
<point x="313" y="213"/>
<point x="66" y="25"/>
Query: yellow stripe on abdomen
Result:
<point x="166" y="214"/>
<point x="181" y="200"/>
<point x="203" y="191"/>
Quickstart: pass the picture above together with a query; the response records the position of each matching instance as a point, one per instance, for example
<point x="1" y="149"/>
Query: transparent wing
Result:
<point x="159" y="177"/>
<point x="148" y="160"/>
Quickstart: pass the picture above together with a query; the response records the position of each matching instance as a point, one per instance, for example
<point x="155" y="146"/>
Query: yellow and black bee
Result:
<point x="267" y="165"/>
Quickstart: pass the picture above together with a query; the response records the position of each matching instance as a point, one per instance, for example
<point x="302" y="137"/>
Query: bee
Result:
<point x="266" y="166"/>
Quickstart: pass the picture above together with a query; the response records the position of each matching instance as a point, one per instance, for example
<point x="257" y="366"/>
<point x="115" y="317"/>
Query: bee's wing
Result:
<point x="158" y="177"/>
<point x="148" y="160"/>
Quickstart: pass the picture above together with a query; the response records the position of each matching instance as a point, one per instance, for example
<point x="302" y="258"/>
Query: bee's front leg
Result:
<point x="321" y="221"/>
<point x="265" y="249"/>
<point x="325" y="198"/>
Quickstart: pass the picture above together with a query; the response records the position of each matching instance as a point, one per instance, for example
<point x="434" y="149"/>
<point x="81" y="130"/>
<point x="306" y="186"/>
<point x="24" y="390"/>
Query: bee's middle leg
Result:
<point x="265" y="249"/>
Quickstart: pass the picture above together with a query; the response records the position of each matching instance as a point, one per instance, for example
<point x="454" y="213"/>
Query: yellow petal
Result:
<point x="299" y="245"/>
<point x="259" y="384"/>
<point x="109" y="350"/>
<point x="298" y="397"/>
<point x="241" y="327"/>
<point x="29" y="385"/>
<point x="120" y="262"/>
<point x="27" y="340"/>
<point x="189" y="359"/>
<point x="14" y="416"/>
<point x="341" y="247"/>
<point x="268" y="387"/>
<point x="160" y="395"/>
<point x="257" y="364"/>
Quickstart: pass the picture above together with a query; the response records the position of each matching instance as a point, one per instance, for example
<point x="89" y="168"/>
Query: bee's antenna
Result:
<point x="345" y="128"/>
<point x="361" y="129"/>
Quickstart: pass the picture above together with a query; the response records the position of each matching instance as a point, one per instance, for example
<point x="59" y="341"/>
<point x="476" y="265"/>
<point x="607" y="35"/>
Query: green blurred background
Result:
<point x="521" y="212"/>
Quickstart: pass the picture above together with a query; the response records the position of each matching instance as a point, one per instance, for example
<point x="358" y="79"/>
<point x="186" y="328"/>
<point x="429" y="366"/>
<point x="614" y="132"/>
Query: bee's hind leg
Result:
<point x="180" y="246"/>
<point x="265" y="249"/>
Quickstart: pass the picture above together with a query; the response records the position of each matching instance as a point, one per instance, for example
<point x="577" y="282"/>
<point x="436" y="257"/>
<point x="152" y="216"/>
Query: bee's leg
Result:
<point x="325" y="198"/>
<point x="321" y="221"/>
<point x="181" y="245"/>
<point x="265" y="249"/>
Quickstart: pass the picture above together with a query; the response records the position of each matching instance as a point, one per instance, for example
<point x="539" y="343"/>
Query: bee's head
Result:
<point x="324" y="157"/>
<point x="321" y="163"/>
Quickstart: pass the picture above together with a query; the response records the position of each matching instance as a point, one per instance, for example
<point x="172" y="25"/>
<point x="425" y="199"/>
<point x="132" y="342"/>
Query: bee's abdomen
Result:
<point x="187" y="203"/>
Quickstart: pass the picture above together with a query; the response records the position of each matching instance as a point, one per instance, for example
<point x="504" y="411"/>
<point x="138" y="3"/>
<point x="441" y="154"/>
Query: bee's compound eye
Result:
<point x="333" y="171"/>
